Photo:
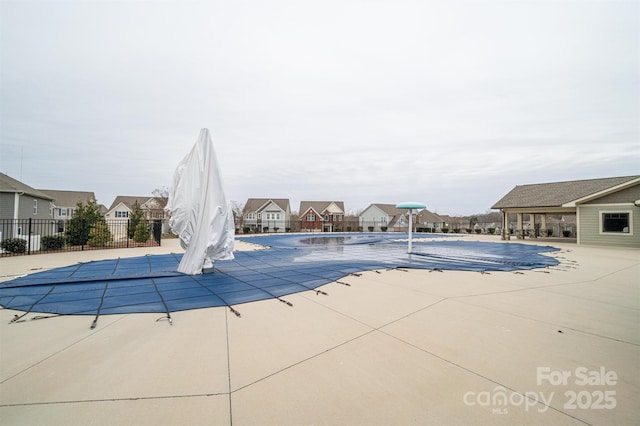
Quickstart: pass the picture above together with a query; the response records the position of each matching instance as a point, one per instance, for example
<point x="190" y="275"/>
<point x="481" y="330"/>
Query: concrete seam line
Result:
<point x="63" y="349"/>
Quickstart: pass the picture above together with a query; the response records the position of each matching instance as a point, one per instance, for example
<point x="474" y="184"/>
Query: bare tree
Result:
<point x="160" y="192"/>
<point x="237" y="208"/>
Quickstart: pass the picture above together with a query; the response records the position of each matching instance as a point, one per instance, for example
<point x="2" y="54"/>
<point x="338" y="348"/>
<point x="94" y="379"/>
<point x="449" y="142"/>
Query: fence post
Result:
<point x="157" y="230"/>
<point x="29" y="238"/>
<point x="127" y="231"/>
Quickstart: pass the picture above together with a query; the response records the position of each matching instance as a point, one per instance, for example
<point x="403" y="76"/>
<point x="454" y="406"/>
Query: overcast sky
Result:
<point x="449" y="103"/>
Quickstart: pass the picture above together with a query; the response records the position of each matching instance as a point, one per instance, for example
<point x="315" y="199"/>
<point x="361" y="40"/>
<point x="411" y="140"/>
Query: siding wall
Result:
<point x="25" y="207"/>
<point x="372" y="216"/>
<point x="589" y="226"/>
<point x="624" y="196"/>
<point x="7" y="199"/>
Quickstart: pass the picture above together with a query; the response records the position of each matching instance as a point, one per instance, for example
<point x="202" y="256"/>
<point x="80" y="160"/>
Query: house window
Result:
<point x="251" y="216"/>
<point x="311" y="217"/>
<point x="326" y="218"/>
<point x="383" y="219"/>
<point x="35" y="206"/>
<point x="62" y="212"/>
<point x="616" y="222"/>
<point x="122" y="214"/>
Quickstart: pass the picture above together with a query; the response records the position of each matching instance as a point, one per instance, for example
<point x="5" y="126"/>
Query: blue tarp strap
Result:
<point x="155" y="286"/>
<point x="16" y="318"/>
<point x="95" y="320"/>
<point x="284" y="279"/>
<point x="217" y="295"/>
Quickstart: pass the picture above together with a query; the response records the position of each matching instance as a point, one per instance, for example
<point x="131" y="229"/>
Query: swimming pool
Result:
<point x="290" y="264"/>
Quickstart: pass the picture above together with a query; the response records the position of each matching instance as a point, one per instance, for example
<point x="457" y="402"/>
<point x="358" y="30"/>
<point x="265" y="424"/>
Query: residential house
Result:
<point x="321" y="216"/>
<point x="65" y="203"/>
<point x="607" y="209"/>
<point x="19" y="205"/>
<point x="426" y="219"/>
<point x="267" y="215"/>
<point x="451" y="223"/>
<point x="20" y="201"/>
<point x="122" y="206"/>
<point x="382" y="217"/>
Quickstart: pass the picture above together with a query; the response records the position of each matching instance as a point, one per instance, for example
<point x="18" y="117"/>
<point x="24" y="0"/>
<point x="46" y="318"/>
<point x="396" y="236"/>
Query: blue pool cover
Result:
<point x="291" y="264"/>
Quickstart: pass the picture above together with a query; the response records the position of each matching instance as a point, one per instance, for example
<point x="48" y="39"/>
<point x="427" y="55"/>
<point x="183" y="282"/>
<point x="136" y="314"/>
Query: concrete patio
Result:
<point x="394" y="347"/>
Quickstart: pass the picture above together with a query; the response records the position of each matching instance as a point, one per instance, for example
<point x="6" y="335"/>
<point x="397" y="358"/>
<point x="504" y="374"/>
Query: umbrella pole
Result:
<point x="410" y="226"/>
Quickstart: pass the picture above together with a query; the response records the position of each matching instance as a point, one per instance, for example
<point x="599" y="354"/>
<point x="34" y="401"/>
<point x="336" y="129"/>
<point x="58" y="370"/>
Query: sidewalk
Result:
<point x="394" y="347"/>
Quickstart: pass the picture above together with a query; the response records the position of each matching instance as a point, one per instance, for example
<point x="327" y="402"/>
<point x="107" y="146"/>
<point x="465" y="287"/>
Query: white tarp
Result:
<point x="200" y="215"/>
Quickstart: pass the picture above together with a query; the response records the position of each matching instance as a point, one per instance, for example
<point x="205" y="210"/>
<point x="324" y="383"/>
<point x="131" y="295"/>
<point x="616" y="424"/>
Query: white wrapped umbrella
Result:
<point x="200" y="214"/>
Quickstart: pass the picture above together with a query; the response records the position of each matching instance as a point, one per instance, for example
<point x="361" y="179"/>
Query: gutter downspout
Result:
<point x="16" y="205"/>
<point x="16" y="210"/>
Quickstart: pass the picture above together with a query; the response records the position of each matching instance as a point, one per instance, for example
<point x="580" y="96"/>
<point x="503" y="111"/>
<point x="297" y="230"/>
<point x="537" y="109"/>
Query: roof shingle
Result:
<point x="556" y="194"/>
<point x="9" y="184"/>
<point x="253" y="204"/>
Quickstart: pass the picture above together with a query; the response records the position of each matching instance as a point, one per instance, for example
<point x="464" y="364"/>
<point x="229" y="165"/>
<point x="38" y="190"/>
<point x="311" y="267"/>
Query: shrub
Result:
<point x="348" y="229"/>
<point x="52" y="242"/>
<point x="287" y="229"/>
<point x="275" y="229"/>
<point x="77" y="232"/>
<point x="142" y="233"/>
<point x="566" y="233"/>
<point x="265" y="229"/>
<point x="80" y="225"/>
<point x="383" y="228"/>
<point x="469" y="230"/>
<point x="456" y="230"/>
<point x="479" y="231"/>
<point x="549" y="232"/>
<point x="135" y="218"/>
<point x="445" y="230"/>
<point x="370" y="228"/>
<point x="245" y="229"/>
<point x="99" y="235"/>
<point x="491" y="230"/>
<point x="14" y="245"/>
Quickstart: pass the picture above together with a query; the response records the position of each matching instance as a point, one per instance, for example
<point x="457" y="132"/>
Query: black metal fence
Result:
<point x="279" y="226"/>
<point x="30" y="236"/>
<point x="347" y="225"/>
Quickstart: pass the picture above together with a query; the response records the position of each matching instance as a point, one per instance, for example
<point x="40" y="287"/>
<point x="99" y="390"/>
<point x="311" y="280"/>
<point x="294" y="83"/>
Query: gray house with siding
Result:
<point x="65" y="202"/>
<point x="607" y="210"/>
<point x="20" y="201"/>
<point x="18" y="204"/>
